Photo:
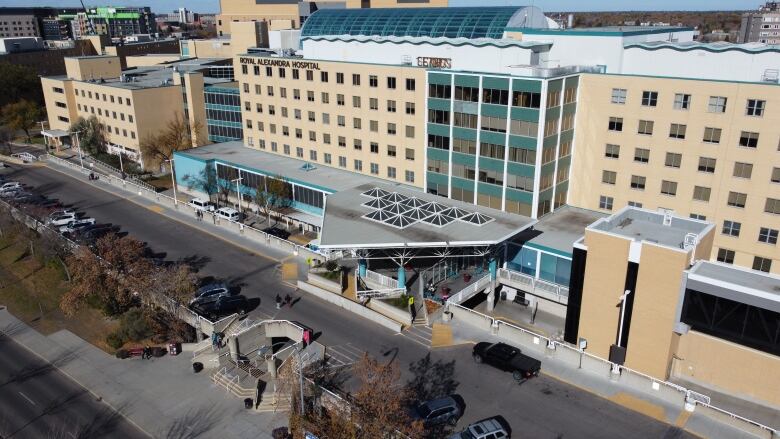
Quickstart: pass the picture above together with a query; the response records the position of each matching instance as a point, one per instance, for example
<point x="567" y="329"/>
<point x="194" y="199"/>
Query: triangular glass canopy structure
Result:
<point x="413" y="202"/>
<point x="455" y="212"/>
<point x="395" y="208"/>
<point x="417" y="214"/>
<point x="395" y="197"/>
<point x="399" y="221"/>
<point x="477" y="219"/>
<point x="433" y="207"/>
<point x="378" y="215"/>
<point x="375" y="193"/>
<point x="377" y="203"/>
<point x="438" y="220"/>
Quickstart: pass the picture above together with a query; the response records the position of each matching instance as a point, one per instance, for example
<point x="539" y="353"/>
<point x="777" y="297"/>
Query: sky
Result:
<point x="546" y="5"/>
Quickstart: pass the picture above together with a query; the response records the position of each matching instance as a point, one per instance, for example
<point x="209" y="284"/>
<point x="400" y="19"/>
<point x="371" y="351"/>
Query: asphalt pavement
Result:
<point x="38" y="401"/>
<point x="539" y="408"/>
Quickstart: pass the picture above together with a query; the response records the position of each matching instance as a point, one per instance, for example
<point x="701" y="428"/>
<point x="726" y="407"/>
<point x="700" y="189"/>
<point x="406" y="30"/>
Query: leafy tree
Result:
<point x="92" y="135"/>
<point x="176" y="136"/>
<point x="205" y="181"/>
<point x="19" y="82"/>
<point x="22" y="116"/>
<point x="6" y="135"/>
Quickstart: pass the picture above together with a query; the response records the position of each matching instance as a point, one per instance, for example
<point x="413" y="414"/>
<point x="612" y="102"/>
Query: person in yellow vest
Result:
<point x="412" y="309"/>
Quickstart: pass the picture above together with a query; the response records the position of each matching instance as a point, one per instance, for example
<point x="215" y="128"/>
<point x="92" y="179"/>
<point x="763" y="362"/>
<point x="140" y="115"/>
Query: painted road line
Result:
<point x="27" y="398"/>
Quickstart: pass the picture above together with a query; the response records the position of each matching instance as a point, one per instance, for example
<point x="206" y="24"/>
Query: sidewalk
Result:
<point x="162" y="396"/>
<point x="613" y="390"/>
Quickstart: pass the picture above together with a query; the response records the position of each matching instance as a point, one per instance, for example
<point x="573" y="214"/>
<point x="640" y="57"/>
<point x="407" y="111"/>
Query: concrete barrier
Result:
<point x="351" y="306"/>
<point x="527" y="341"/>
<point x="463" y="315"/>
<point x="326" y="284"/>
<point x="390" y="311"/>
<point x="734" y="421"/>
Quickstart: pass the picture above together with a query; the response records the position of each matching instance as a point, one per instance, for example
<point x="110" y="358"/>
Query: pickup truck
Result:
<point x="507" y="358"/>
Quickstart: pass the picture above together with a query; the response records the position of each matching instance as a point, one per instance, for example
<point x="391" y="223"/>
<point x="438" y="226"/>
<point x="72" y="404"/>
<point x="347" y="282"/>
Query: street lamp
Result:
<point x="173" y="180"/>
<point x="45" y="142"/>
<point x="622" y="305"/>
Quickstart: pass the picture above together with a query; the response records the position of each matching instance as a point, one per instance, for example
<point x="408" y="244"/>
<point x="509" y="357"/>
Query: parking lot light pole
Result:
<point x="173" y="180"/>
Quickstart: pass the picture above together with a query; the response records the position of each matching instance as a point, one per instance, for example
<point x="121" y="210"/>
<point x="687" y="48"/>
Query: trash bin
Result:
<point x="197" y="366"/>
<point x="248" y="403"/>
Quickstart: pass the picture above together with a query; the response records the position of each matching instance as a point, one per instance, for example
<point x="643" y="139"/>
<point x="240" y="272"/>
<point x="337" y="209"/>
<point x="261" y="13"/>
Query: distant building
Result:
<point x="20" y="44"/>
<point x="762" y="26"/>
<point x="32" y="22"/>
<point x="111" y="21"/>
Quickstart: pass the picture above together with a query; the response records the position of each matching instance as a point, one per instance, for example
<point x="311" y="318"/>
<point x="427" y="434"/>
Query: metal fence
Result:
<point x="538" y="287"/>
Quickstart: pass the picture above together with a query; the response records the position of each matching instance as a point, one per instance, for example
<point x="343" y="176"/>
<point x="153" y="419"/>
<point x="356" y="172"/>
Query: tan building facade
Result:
<point x="363" y="118"/>
<point x="705" y="149"/>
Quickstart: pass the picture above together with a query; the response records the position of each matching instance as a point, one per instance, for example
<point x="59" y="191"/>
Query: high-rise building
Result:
<point x="112" y="21"/>
<point x="762" y="26"/>
<point x="34" y="22"/>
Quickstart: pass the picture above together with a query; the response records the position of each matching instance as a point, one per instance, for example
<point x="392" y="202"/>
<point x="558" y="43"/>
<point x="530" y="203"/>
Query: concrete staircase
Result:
<point x="236" y="381"/>
<point x="274" y="402"/>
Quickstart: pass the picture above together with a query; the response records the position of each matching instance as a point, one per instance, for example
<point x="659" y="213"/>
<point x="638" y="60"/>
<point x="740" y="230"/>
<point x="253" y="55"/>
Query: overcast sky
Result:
<point x="546" y="5"/>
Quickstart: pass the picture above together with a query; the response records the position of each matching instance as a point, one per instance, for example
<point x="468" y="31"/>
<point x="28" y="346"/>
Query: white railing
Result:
<point x="772" y="432"/>
<point x="468" y="292"/>
<point x="381" y="294"/>
<point x="538" y="287"/>
<point x="24" y="156"/>
<point x="381" y="279"/>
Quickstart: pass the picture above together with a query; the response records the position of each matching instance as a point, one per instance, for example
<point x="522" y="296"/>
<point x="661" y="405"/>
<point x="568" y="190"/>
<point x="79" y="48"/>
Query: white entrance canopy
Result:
<point x="55" y="134"/>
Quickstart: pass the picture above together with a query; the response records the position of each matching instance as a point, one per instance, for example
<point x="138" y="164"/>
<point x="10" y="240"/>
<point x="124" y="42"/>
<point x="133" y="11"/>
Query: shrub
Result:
<point x="115" y="340"/>
<point x="133" y="325"/>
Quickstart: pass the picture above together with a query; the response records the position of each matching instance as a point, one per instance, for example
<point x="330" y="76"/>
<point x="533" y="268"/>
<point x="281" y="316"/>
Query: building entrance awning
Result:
<point x="55" y="134"/>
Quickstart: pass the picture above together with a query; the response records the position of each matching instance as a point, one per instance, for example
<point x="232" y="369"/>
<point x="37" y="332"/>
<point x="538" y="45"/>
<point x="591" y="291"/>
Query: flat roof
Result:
<point x="646" y="225"/>
<point x="563" y="227"/>
<point x="740" y="284"/>
<point x="324" y="178"/>
<point x="605" y="31"/>
<point x="158" y="76"/>
<point x="345" y="224"/>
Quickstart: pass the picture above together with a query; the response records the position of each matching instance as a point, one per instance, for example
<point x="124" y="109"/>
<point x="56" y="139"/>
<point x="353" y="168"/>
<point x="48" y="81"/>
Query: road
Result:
<point x="540" y="408"/>
<point x="38" y="401"/>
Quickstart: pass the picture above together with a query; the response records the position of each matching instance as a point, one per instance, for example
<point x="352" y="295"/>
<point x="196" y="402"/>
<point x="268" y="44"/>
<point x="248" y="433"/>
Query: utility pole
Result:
<point x="173" y="180"/>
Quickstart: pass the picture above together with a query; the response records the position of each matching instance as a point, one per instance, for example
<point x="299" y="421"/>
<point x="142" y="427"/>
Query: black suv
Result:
<point x="276" y="231"/>
<point x="222" y="306"/>
<point x="508" y="358"/>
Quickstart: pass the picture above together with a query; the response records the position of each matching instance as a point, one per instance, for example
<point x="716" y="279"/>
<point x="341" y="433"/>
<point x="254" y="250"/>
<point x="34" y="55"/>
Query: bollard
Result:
<point x="494" y="327"/>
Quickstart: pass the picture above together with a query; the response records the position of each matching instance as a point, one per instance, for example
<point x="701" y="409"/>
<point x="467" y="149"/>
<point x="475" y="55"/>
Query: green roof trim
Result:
<point x="712" y="48"/>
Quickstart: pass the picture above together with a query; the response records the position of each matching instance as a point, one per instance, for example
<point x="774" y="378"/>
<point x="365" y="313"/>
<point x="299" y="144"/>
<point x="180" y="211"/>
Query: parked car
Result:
<point x="90" y="235"/>
<point x="62" y="212"/>
<point x="9" y="186"/>
<point x="222" y="306"/>
<point x="210" y="293"/>
<point x="201" y="204"/>
<point x="61" y="219"/>
<point x="278" y="232"/>
<point x="507" y="358"/>
<point x="228" y="213"/>
<point x="77" y="229"/>
<point x="68" y="228"/>
<point x="438" y="412"/>
<point x="491" y="428"/>
<point x="10" y="193"/>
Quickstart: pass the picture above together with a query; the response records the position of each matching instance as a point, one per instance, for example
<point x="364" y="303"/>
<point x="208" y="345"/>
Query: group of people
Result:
<point x="287" y="301"/>
<point x="199" y="214"/>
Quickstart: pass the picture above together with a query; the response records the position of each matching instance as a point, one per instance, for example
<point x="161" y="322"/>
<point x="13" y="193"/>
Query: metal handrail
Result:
<point x="772" y="431"/>
<point x="381" y="279"/>
<point x="470" y="290"/>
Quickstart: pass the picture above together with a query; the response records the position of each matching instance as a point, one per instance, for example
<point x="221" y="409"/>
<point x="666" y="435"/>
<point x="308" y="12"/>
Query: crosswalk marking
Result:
<point x="343" y="355"/>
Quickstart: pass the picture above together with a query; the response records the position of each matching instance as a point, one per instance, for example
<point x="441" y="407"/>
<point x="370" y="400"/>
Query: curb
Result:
<point x="69" y="376"/>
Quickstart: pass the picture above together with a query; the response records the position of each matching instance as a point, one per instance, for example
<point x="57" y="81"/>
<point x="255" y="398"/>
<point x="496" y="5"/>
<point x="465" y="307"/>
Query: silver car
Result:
<point x="491" y="428"/>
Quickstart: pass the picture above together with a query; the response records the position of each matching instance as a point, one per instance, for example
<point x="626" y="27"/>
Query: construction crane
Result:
<point x="89" y="20"/>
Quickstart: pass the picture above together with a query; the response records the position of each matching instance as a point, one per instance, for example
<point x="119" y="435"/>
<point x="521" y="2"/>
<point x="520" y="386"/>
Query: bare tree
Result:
<point x="274" y="197"/>
<point x="92" y="135"/>
<point x="22" y="116"/>
<point x="205" y="181"/>
<point x="177" y="135"/>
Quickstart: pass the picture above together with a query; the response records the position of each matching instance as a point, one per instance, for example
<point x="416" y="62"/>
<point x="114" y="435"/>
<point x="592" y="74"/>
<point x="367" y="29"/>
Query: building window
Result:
<point x="701" y="193"/>
<point x="711" y="135"/>
<point x="357" y="144"/>
<point x="471" y="94"/>
<point x="645" y="127"/>
<point x="63" y="119"/>
<point x="60" y="90"/>
<point x="359" y="165"/>
<point x="390" y="172"/>
<point x="439" y="116"/>
<point x="682" y="101"/>
<point x="373" y="126"/>
<point x="355" y="79"/>
<point x="606" y="202"/>
<point x="341" y="121"/>
<point x="340" y="100"/>
<point x="635" y="204"/>
<point x="325" y="98"/>
<point x="342" y="161"/>
<point x="638" y="182"/>
<point x="374" y="168"/>
<point x="410" y="84"/>
<point x="286" y="149"/>
<point x="309" y="75"/>
<point x="612" y="151"/>
<point x="716" y="104"/>
<point x="608" y="177"/>
<point x="410" y="108"/>
<point x="731" y="228"/>
<point x="409" y="131"/>
<point x="324" y="78"/>
<point x="340" y="80"/>
<point x="641" y="155"/>
<point x="439" y="91"/>
<point x="356" y="101"/>
<point x="673" y="160"/>
<point x="516" y="127"/>
<point x="391" y="150"/>
<point x="619" y="95"/>
<point x="707" y="164"/>
<point x="755" y="107"/>
<point x="391" y="82"/>
<point x="772" y="205"/>
<point x="696" y="216"/>
<point x="327" y="157"/>
<point x="775" y="178"/>
<point x="748" y="139"/>
<point x="409" y="176"/>
<point x="310" y="96"/>
<point x="677" y="131"/>
<point x="725" y="255"/>
<point x="615" y="124"/>
<point x="391" y="106"/>
<point x="374" y="148"/>
<point x="410" y="154"/>
<point x="373" y="103"/>
<point x="737" y="199"/>
<point x="495" y="124"/>
<point x="743" y="170"/>
<point x="495" y="96"/>
<point x="767" y="235"/>
<point x="373" y="81"/>
<point x="762" y="264"/>
<point x="391" y="128"/>
<point x="357" y="123"/>
<point x="668" y="187"/>
<point x="649" y="98"/>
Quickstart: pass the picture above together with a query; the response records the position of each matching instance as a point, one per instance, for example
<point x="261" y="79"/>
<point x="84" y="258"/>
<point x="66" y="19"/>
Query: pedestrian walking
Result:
<point x="288" y="300"/>
<point x="412" y="309"/>
<point x="147" y="354"/>
<point x="278" y="301"/>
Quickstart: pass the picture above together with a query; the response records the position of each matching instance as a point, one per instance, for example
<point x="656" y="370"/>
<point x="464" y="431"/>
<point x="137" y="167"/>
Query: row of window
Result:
<point x="106" y="113"/>
<point x="669" y="188"/>
<point x="747" y="139"/>
<point x="373" y="103"/>
<point x="706" y="164"/>
<point x="106" y="98"/>
<point x="522" y="99"/>
<point x="373" y="80"/>
<point x="759" y="263"/>
<point x="327" y="158"/>
<point x="467" y="172"/>
<point x="373" y="147"/>
<point x="683" y="101"/>
<point x="357" y="123"/>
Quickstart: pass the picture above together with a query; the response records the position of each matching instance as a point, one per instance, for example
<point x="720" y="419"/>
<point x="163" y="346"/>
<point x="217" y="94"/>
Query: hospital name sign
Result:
<point x="308" y="65"/>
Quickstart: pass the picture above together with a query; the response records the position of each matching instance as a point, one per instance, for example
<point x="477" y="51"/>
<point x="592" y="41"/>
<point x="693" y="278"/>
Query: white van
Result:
<point x="228" y="213"/>
<point x="201" y="204"/>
